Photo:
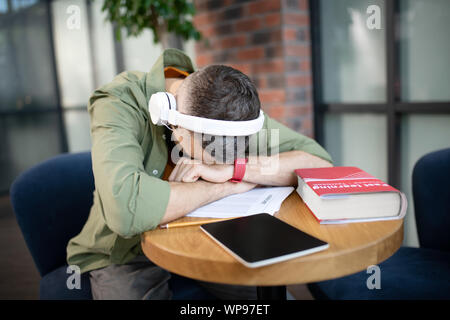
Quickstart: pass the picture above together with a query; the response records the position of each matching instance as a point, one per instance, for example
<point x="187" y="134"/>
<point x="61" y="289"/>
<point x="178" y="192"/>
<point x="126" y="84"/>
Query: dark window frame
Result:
<point x="393" y="108"/>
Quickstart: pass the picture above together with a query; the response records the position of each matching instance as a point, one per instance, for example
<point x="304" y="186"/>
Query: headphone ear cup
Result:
<point x="158" y="107"/>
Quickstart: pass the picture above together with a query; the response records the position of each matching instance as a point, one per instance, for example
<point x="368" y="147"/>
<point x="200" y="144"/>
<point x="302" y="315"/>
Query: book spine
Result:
<point x="300" y="183"/>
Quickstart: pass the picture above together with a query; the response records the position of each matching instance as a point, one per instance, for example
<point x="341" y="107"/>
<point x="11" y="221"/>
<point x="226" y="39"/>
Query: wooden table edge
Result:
<point x="312" y="270"/>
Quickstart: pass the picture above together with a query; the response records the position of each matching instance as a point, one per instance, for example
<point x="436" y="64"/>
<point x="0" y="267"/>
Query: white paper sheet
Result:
<point x="259" y="200"/>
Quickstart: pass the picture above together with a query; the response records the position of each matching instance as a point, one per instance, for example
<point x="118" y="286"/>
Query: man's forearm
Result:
<point x="278" y="170"/>
<point x="186" y="197"/>
<point x="190" y="189"/>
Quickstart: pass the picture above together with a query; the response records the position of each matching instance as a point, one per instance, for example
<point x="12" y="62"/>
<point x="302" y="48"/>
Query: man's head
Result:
<point x="216" y="92"/>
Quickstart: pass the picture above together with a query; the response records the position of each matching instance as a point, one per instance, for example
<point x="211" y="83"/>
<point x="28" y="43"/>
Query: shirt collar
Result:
<point x="155" y="81"/>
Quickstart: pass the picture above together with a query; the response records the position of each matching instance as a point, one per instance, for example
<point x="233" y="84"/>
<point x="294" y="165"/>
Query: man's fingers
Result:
<point x="191" y="175"/>
<point x="174" y="174"/>
<point x="188" y="170"/>
<point x="178" y="175"/>
<point x="184" y="170"/>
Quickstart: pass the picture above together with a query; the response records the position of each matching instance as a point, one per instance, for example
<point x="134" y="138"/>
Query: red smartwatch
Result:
<point x="239" y="169"/>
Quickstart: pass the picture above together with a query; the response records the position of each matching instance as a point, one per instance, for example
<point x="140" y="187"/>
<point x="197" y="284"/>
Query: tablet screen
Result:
<point x="262" y="239"/>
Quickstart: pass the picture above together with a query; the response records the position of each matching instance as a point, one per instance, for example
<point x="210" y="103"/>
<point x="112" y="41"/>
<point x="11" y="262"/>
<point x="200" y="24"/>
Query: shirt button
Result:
<point x="164" y="136"/>
<point x="155" y="172"/>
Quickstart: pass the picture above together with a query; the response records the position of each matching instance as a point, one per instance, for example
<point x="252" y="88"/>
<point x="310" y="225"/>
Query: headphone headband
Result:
<point x="162" y="108"/>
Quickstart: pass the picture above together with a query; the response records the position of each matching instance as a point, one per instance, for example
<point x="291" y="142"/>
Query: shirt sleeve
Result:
<point x="132" y="201"/>
<point x="282" y="139"/>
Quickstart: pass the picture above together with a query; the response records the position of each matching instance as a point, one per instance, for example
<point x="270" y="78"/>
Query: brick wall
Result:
<point x="269" y="41"/>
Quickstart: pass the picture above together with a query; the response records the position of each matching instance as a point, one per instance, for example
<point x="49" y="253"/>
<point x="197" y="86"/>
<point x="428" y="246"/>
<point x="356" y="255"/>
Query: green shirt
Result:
<point x="129" y="155"/>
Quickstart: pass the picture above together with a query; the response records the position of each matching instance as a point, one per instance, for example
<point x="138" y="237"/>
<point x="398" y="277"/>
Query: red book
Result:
<point x="348" y="194"/>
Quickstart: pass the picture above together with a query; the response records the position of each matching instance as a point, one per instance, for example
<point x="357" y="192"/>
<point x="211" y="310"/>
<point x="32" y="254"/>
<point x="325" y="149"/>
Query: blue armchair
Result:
<point x="411" y="273"/>
<point x="51" y="202"/>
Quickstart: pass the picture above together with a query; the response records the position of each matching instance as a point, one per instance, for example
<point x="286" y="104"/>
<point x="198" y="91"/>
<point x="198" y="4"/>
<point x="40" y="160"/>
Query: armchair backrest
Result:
<point x="51" y="202"/>
<point x="431" y="191"/>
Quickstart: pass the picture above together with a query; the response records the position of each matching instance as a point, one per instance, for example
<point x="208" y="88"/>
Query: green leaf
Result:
<point x="138" y="15"/>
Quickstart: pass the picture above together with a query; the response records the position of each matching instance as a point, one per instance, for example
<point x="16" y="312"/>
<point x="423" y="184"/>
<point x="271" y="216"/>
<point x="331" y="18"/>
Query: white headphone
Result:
<point x="163" y="111"/>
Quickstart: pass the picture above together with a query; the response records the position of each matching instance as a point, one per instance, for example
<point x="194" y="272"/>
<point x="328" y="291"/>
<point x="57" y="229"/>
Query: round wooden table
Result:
<point x="189" y="252"/>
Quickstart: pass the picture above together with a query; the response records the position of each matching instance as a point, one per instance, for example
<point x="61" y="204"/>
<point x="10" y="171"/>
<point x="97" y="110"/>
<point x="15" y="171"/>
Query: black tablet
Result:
<point x="262" y="239"/>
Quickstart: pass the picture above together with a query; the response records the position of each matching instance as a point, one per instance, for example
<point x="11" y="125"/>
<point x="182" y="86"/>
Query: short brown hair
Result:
<point x="223" y="93"/>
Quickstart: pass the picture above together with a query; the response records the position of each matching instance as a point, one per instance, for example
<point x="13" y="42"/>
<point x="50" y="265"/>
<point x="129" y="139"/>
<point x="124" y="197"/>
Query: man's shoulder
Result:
<point x="123" y="100"/>
<point x="271" y="124"/>
<point x="128" y="87"/>
<point x="275" y="128"/>
<point x="125" y="81"/>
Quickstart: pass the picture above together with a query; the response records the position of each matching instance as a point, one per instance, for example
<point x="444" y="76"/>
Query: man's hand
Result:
<point x="186" y="197"/>
<point x="188" y="170"/>
<point x="277" y="170"/>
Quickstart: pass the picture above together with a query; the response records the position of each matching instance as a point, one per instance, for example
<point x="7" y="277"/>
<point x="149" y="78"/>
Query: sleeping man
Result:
<point x="149" y="169"/>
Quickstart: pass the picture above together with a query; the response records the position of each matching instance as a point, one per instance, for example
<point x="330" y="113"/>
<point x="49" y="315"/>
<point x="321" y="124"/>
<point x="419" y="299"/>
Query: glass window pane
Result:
<point x="353" y="55"/>
<point x="77" y="130"/>
<point x="25" y="140"/>
<point x="27" y="79"/>
<point x="3" y="6"/>
<point x="20" y="4"/>
<point x="103" y="40"/>
<point x="140" y="53"/>
<point x="424" y="50"/>
<point x="74" y="65"/>
<point x="421" y="134"/>
<point x="189" y="48"/>
<point x="357" y="140"/>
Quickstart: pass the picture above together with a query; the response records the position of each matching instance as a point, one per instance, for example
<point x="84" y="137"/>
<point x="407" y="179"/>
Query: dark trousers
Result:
<point x="141" y="279"/>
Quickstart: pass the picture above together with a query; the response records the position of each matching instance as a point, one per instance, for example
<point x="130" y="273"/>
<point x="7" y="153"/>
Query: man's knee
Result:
<point x="130" y="282"/>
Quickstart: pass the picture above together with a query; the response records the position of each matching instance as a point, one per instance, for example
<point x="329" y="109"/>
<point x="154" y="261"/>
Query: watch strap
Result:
<point x="239" y="169"/>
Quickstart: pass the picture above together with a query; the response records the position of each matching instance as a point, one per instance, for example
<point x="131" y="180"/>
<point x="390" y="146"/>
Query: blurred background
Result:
<point x="368" y="79"/>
